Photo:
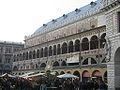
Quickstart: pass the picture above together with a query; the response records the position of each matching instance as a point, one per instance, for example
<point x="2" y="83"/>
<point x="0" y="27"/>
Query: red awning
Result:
<point x="97" y="74"/>
<point x="86" y="74"/>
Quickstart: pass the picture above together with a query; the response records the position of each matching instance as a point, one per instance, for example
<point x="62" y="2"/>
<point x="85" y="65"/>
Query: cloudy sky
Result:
<point x="22" y="17"/>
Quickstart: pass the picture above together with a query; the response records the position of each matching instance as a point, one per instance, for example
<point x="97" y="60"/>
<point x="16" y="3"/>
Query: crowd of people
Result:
<point x="57" y="84"/>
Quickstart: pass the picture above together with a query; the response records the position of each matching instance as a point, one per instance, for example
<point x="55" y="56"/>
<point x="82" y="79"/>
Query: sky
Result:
<point x="23" y="17"/>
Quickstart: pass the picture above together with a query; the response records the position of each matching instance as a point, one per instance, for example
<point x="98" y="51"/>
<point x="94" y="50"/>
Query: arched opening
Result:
<point x="76" y="73"/>
<point x="105" y="77"/>
<point x="41" y="52"/>
<point x="15" y="68"/>
<point x="50" y="51"/>
<point x="45" y="52"/>
<point x="85" y="44"/>
<point x="55" y="64"/>
<point x="23" y="56"/>
<point x="26" y="55"/>
<point x="69" y="72"/>
<point x="43" y="65"/>
<point x="30" y="55"/>
<point x="85" y="62"/>
<point x="93" y="61"/>
<point x="97" y="75"/>
<point x="64" y="48"/>
<point x="77" y="45"/>
<point x="34" y="54"/>
<point x="70" y="48"/>
<point x="85" y="76"/>
<point x="38" y="53"/>
<point x="102" y="40"/>
<point x="62" y="72"/>
<point x="54" y="50"/>
<point x="117" y="68"/>
<point x="94" y="42"/>
<point x="64" y="63"/>
<point x="58" y="49"/>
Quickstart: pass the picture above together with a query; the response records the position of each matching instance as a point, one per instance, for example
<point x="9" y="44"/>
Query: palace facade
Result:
<point x="84" y="42"/>
<point x="6" y="55"/>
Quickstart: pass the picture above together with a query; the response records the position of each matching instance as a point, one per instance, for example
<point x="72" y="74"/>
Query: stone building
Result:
<point x="6" y="55"/>
<point x="84" y="42"/>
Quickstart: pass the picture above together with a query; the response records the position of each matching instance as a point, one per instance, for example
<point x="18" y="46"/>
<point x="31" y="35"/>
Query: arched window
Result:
<point x="20" y="57"/>
<point x="85" y="44"/>
<point x="54" y="50"/>
<point x="55" y="64"/>
<point x="50" y="51"/>
<point x="64" y="48"/>
<point x="43" y="65"/>
<point x="45" y="52"/>
<point x="34" y="54"/>
<point x="64" y="63"/>
<point x="71" y="46"/>
<point x="23" y="56"/>
<point x="38" y="53"/>
<point x="58" y="49"/>
<point x="30" y="55"/>
<point x="77" y="45"/>
<point x="102" y="40"/>
<point x="26" y="55"/>
<point x="94" y="42"/>
<point x="41" y="52"/>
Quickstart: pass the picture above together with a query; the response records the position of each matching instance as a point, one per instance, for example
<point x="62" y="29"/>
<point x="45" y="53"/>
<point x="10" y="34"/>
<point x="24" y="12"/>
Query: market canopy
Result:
<point x="26" y="74"/>
<point x="8" y="75"/>
<point x="67" y="76"/>
<point x="34" y="75"/>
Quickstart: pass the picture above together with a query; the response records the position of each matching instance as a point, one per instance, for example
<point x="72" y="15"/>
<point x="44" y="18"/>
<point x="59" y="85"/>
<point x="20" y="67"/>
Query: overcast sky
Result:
<point x="22" y="17"/>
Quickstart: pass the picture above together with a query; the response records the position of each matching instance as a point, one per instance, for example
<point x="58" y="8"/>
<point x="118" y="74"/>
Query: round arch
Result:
<point x="76" y="73"/>
<point x="94" y="42"/>
<point x="71" y="47"/>
<point x="50" y="51"/>
<point x="62" y="72"/>
<point x="64" y="48"/>
<point x="96" y="73"/>
<point x="77" y="45"/>
<point x="45" y="51"/>
<point x="43" y="65"/>
<point x="85" y="76"/>
<point x="58" y="49"/>
<point x="41" y="52"/>
<point x="85" y="44"/>
<point x="102" y="40"/>
<point x="55" y="64"/>
<point x="15" y="68"/>
<point x="63" y="63"/>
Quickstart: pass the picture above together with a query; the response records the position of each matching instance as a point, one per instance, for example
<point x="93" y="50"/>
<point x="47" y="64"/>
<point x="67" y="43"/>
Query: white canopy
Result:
<point x="8" y="75"/>
<point x="34" y="75"/>
<point x="67" y="76"/>
<point x="26" y="74"/>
